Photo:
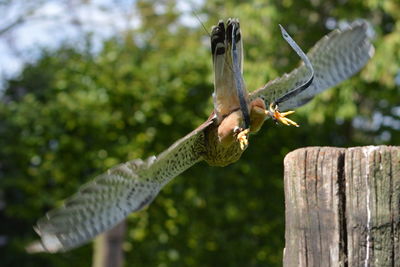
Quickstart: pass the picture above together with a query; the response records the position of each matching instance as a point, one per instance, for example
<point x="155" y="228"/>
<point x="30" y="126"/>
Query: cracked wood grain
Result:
<point x="342" y="206"/>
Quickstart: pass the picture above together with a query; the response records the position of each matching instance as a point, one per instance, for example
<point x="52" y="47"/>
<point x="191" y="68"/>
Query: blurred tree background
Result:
<point x="81" y="108"/>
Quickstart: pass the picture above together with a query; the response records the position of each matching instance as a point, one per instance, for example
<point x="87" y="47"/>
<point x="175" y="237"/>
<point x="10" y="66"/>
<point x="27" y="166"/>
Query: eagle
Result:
<point x="220" y="140"/>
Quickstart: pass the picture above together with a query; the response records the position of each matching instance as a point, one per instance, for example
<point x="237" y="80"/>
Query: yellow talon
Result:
<point x="243" y="138"/>
<point x="281" y="117"/>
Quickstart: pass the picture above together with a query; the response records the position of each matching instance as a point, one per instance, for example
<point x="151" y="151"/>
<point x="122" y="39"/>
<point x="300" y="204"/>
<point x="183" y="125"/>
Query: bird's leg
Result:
<point x="242" y="136"/>
<point x="231" y="131"/>
<point x="273" y="111"/>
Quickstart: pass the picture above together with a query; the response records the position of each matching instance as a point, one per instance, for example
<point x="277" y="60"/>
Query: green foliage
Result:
<point x="73" y="114"/>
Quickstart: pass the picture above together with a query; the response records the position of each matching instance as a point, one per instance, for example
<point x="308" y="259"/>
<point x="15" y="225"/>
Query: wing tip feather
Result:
<point x="49" y="243"/>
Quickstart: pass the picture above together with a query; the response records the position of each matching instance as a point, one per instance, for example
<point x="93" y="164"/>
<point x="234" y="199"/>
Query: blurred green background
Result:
<point x="81" y="107"/>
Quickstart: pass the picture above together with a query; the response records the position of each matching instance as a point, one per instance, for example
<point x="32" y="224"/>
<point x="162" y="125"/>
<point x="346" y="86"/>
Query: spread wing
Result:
<point x="336" y="57"/>
<point x="110" y="197"/>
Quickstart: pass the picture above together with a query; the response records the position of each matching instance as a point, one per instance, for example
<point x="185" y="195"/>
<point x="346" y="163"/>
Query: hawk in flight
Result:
<point x="220" y="140"/>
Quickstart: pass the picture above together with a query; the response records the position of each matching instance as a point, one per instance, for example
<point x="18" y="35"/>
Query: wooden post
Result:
<point x="342" y="206"/>
<point x="108" y="247"/>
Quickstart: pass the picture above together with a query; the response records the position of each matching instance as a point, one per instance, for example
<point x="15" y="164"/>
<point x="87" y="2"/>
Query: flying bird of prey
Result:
<point x="220" y="140"/>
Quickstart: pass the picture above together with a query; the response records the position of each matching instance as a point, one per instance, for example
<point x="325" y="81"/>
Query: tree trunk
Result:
<point x="342" y="206"/>
<point x="108" y="247"/>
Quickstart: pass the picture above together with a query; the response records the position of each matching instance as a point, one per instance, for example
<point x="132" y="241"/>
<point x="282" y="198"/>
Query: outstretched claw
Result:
<point x="242" y="137"/>
<point x="281" y="117"/>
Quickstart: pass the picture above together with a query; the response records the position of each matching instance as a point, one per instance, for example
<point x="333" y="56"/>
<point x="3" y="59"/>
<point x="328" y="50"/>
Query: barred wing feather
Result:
<point x="110" y="197"/>
<point x="336" y="57"/>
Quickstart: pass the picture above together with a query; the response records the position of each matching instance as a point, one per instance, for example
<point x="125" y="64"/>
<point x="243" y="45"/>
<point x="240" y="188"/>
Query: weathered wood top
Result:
<point x="343" y="206"/>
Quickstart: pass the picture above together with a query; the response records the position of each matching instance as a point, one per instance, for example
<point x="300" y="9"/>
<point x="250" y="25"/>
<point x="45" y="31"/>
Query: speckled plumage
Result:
<point x="110" y="197"/>
<point x="336" y="57"/>
<point x="128" y="187"/>
<point x="216" y="154"/>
